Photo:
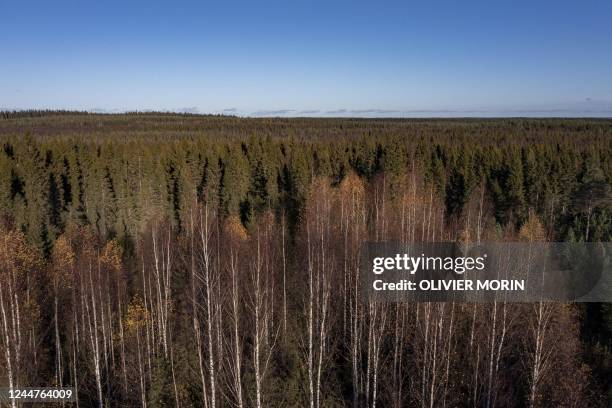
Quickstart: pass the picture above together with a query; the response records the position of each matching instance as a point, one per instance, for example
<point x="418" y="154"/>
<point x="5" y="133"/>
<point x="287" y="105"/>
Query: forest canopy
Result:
<point x="121" y="235"/>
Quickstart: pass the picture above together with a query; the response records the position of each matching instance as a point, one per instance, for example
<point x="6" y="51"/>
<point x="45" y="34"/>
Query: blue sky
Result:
<point x="293" y="58"/>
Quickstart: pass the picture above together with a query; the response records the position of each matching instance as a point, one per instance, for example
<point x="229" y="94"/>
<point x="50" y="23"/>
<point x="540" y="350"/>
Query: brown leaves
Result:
<point x="532" y="230"/>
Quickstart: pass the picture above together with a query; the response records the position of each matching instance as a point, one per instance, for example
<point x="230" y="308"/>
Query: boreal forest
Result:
<point x="157" y="259"/>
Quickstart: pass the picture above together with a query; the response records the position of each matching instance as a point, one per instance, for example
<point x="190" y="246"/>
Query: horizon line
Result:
<point x="343" y="113"/>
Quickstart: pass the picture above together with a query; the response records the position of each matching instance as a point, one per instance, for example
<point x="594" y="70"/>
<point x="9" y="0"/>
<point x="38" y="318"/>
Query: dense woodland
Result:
<point x="210" y="261"/>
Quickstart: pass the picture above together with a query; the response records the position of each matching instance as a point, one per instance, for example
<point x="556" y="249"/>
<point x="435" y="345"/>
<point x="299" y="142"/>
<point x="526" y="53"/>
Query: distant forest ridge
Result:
<point x="39" y="123"/>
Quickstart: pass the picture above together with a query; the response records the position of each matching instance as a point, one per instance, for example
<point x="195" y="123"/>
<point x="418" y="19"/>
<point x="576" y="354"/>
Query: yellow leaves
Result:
<point x="111" y="255"/>
<point x="137" y="315"/>
<point x="16" y="256"/>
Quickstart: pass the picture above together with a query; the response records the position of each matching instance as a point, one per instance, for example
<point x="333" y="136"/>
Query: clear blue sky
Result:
<point x="352" y="58"/>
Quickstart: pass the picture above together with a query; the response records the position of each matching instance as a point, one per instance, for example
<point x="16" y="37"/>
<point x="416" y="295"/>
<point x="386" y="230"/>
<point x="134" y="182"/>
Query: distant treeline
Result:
<point x="161" y="204"/>
<point x="35" y="113"/>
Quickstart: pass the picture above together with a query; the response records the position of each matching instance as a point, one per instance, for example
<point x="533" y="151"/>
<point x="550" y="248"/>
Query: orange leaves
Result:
<point x="532" y="230"/>
<point x="234" y="229"/>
